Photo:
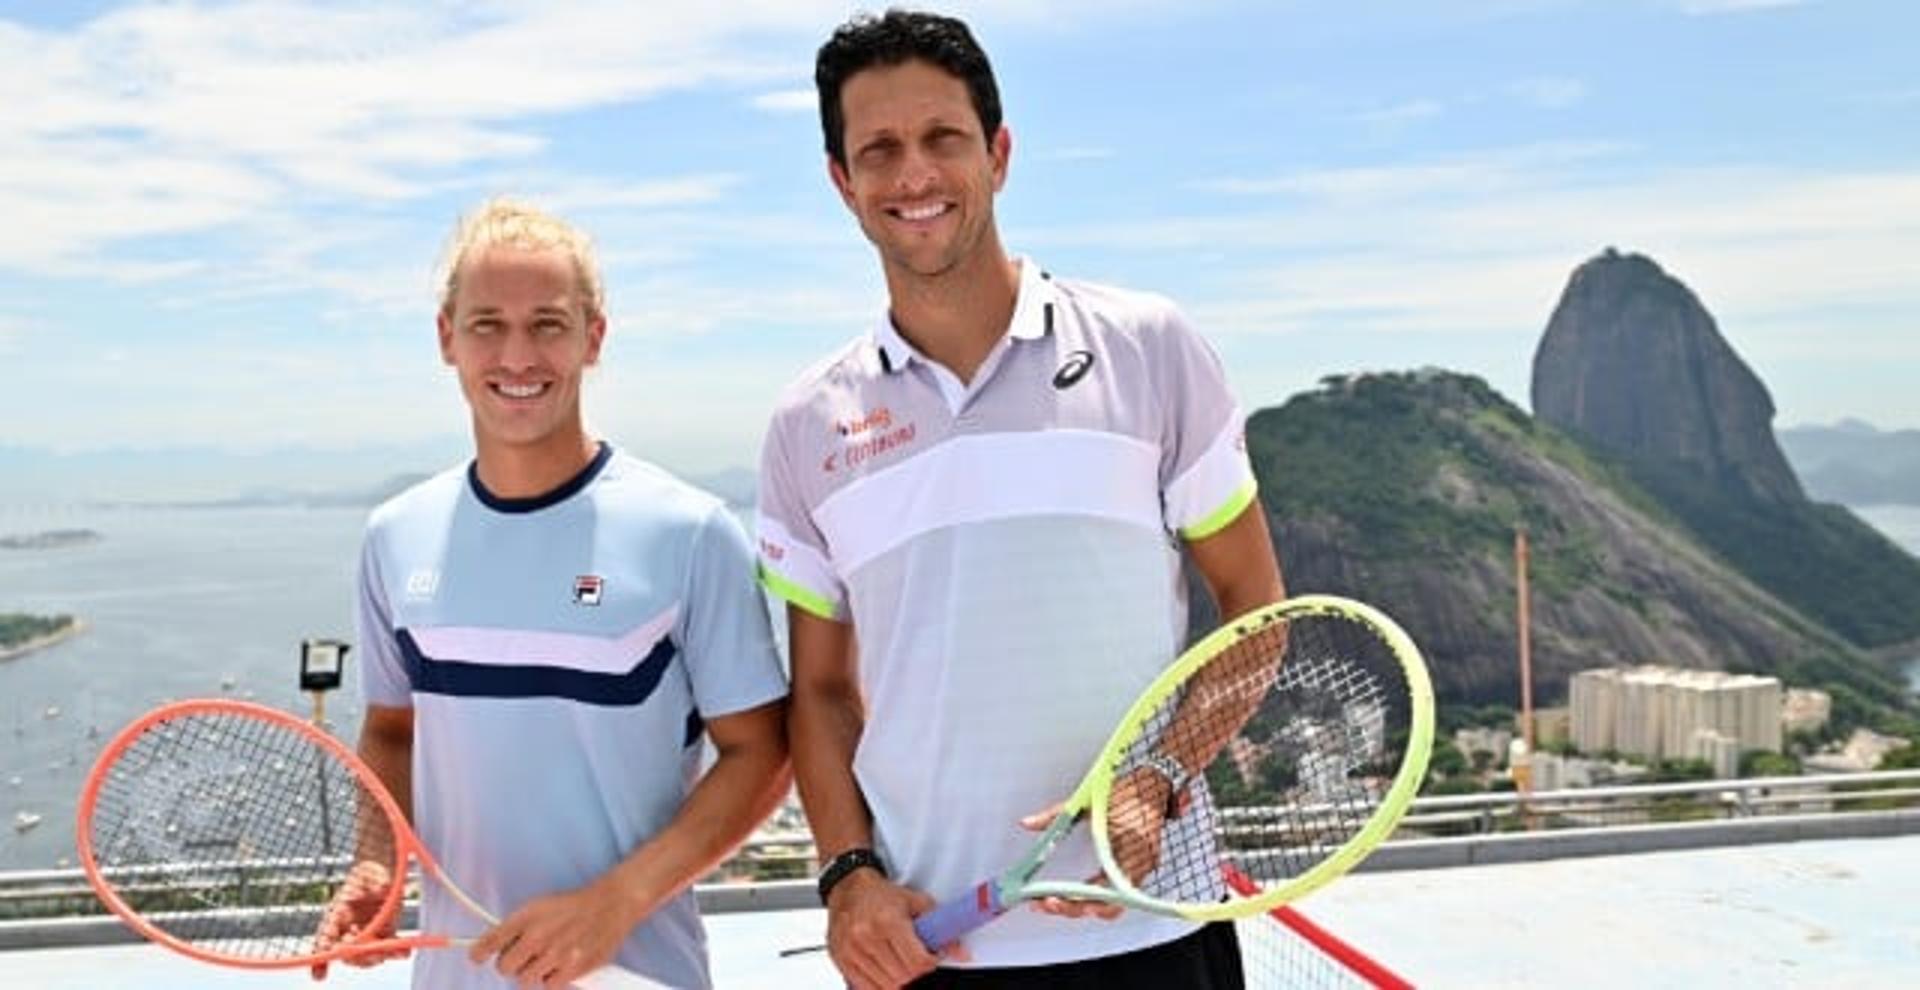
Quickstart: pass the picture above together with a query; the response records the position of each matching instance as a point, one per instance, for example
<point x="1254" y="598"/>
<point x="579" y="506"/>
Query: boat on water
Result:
<point x="25" y="821"/>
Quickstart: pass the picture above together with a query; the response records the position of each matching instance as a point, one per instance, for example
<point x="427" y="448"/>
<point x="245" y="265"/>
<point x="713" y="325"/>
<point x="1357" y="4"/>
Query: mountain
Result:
<point x="1633" y="362"/>
<point x="1404" y="490"/>
<point x="1633" y="365"/>
<point x="210" y="477"/>
<point x="1854" y="463"/>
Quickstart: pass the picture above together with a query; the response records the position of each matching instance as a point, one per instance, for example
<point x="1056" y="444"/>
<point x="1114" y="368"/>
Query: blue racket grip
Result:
<point x="953" y="919"/>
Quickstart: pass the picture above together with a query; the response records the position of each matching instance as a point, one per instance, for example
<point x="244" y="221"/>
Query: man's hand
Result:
<point x="1136" y="815"/>
<point x="350" y="911"/>
<point x="1136" y="810"/>
<point x="870" y="932"/>
<point x="554" y="940"/>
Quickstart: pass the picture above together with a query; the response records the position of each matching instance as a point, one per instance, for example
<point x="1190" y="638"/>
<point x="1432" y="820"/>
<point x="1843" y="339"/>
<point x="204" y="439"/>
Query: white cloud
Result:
<point x="157" y="120"/>
<point x="1484" y="243"/>
<point x="13" y="330"/>
<point x="1083" y="153"/>
<point x="1699" y="8"/>
<point x="787" y="101"/>
<point x="1401" y="114"/>
<point x="1549" y="92"/>
<point x="689" y="190"/>
<point x="1479" y="173"/>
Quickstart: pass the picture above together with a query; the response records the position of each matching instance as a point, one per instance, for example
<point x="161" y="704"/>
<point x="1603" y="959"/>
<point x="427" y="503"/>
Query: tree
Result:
<point x="1761" y="763"/>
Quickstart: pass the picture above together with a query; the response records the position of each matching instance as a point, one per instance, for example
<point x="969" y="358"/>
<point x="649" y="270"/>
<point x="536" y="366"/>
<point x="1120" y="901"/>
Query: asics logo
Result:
<point x="1074" y="368"/>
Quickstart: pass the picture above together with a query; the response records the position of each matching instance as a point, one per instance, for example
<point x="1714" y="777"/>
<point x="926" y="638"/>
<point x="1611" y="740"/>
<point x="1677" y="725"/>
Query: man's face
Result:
<point x="520" y="338"/>
<point x="920" y="177"/>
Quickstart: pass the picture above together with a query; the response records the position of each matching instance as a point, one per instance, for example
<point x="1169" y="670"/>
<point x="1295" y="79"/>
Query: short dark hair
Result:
<point x="893" y="38"/>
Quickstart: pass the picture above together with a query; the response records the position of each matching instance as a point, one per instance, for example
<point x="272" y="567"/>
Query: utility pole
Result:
<point x="1523" y="770"/>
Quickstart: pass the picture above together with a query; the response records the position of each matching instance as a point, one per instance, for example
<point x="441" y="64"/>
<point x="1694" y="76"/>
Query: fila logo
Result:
<point x="421" y="584"/>
<point x="1074" y="368"/>
<point x="586" y="589"/>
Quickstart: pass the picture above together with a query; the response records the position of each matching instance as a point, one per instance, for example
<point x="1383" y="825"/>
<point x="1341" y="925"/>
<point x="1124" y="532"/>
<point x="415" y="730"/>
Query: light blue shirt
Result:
<point x="560" y="654"/>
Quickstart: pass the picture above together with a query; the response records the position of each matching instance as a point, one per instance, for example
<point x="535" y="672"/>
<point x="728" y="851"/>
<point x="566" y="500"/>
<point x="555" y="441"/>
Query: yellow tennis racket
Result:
<point x="1280" y="749"/>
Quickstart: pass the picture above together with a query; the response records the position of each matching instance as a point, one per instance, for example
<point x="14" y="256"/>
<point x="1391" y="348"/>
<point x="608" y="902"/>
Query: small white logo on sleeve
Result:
<point x="421" y="584"/>
<point x="586" y="589"/>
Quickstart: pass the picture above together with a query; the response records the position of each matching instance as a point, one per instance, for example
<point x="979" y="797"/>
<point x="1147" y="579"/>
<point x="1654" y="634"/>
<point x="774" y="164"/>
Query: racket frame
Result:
<point x="406" y="844"/>
<point x="1096" y="789"/>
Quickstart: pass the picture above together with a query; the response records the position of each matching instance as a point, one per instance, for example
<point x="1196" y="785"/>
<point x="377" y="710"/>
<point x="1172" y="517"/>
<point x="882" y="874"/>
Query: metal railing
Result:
<point x="58" y="907"/>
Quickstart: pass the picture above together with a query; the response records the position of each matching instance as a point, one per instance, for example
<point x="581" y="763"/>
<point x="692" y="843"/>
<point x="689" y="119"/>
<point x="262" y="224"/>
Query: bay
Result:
<point x="177" y="603"/>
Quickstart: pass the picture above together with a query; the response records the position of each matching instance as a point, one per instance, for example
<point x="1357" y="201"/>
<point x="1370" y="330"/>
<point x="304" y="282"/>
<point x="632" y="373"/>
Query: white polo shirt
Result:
<point x="1005" y="552"/>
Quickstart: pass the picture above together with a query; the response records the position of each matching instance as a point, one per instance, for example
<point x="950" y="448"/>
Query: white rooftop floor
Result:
<point x="1807" y="914"/>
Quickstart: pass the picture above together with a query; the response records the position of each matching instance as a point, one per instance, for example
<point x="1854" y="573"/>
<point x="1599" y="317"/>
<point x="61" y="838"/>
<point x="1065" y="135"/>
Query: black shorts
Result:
<point x="1208" y="959"/>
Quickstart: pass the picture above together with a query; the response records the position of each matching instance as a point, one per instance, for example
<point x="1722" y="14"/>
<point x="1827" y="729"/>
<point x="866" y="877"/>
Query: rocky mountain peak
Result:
<point x="1633" y="362"/>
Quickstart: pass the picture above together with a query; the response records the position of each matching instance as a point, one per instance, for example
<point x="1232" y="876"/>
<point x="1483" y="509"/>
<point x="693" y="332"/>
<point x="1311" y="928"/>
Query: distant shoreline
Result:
<point x="60" y="635"/>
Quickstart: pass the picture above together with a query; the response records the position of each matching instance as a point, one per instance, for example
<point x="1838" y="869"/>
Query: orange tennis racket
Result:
<point x="228" y="831"/>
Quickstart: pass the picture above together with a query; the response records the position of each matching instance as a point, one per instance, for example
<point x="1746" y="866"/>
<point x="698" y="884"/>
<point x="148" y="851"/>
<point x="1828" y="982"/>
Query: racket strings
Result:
<point x="232" y="833"/>
<point x="1295" y="727"/>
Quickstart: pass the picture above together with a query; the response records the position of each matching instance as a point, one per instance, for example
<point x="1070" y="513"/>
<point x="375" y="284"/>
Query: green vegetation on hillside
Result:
<point x="17" y="628"/>
<point x="1398" y="487"/>
<point x="1818" y="558"/>
<point x="1366" y="450"/>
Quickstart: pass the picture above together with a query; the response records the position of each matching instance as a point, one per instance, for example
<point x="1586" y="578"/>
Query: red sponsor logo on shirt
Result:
<point x="878" y="419"/>
<point x="855" y="454"/>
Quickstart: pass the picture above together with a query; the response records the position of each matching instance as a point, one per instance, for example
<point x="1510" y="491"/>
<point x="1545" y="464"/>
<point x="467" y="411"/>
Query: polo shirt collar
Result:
<point x="1032" y="319"/>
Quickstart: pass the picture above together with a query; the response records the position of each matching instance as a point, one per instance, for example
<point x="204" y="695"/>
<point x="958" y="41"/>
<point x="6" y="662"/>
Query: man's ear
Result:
<point x="1000" y="148"/>
<point x="842" y="182"/>
<point x="596" y="333"/>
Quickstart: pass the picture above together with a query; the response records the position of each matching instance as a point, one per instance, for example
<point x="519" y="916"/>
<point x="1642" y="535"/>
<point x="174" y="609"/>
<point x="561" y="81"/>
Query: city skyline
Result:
<point x="226" y="216"/>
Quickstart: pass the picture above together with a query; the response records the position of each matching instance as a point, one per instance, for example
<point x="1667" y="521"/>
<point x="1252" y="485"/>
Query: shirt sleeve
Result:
<point x="794" y="562"/>
<point x="1206" y="480"/>
<point x="383" y="674"/>
<point x="724" y="631"/>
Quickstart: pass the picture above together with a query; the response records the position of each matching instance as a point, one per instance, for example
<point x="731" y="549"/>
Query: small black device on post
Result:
<point x="322" y="662"/>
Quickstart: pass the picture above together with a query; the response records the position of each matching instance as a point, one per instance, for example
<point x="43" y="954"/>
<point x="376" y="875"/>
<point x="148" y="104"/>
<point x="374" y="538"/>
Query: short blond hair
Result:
<point x="512" y="223"/>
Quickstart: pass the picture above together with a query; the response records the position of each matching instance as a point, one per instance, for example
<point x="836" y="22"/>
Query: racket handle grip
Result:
<point x="954" y="918"/>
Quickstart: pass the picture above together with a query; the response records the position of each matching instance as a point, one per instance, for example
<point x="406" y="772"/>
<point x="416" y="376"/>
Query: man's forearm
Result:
<point x="827" y="722"/>
<point x="736" y="794"/>
<point x="386" y="746"/>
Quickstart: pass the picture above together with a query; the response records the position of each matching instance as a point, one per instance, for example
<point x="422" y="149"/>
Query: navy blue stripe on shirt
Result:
<point x="460" y="679"/>
<point x="695" y="726"/>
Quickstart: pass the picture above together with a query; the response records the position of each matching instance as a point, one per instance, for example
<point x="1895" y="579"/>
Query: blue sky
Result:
<point x="223" y="219"/>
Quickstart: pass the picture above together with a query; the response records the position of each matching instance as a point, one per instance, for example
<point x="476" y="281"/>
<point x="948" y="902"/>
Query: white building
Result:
<point x="1721" y="751"/>
<point x="1806" y="710"/>
<point x="1655" y="712"/>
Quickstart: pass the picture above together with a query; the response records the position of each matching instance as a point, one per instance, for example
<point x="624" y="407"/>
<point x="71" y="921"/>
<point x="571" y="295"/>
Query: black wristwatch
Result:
<point x="837" y="868"/>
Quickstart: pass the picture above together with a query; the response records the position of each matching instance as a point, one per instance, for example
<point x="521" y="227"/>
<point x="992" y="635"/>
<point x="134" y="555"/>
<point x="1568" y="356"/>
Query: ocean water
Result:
<point x="178" y="603"/>
<point x="1901" y="523"/>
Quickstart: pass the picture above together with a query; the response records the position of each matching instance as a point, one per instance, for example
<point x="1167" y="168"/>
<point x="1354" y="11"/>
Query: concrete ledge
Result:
<point x="1620" y="840"/>
<point x="1410" y="854"/>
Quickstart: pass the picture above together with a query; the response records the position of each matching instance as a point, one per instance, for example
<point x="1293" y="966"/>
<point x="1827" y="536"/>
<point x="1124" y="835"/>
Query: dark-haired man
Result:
<point x="983" y="491"/>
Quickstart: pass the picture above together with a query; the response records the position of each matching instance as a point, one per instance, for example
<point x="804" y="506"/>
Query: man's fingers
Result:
<point x="1040" y="819"/>
<point x="1067" y="907"/>
<point x="487" y="944"/>
<point x="517" y="958"/>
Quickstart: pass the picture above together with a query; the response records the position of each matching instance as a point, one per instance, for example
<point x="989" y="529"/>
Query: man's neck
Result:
<point x="516" y="471"/>
<point x="956" y="317"/>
